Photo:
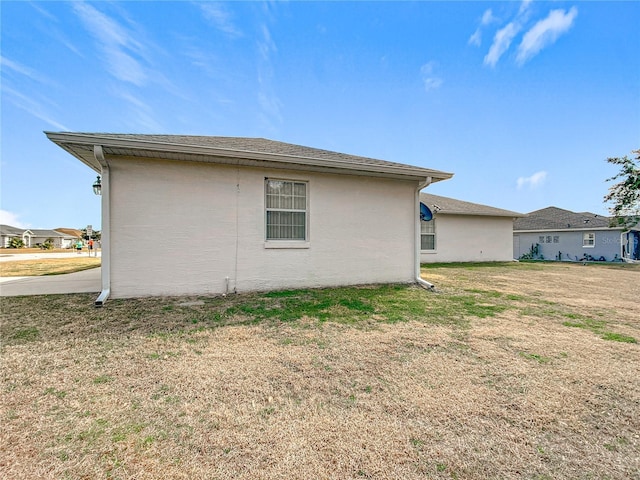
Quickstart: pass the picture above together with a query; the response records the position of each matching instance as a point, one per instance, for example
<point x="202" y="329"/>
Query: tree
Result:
<point x="95" y="234"/>
<point x="625" y="195"/>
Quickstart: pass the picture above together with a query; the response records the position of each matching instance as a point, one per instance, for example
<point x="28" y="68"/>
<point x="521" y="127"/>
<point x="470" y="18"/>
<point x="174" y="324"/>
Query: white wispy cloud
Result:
<point x="12" y="219"/>
<point x="487" y="18"/>
<point x="119" y="46"/>
<point x="31" y="106"/>
<point x="430" y="80"/>
<point x="141" y="115"/>
<point x="534" y="181"/>
<point x="50" y="28"/>
<point x="16" y="75"/>
<point x="545" y="33"/>
<point x="269" y="102"/>
<point x="524" y="6"/>
<point x="266" y="45"/>
<point x="23" y="70"/>
<point x="476" y="38"/>
<point x="46" y="13"/>
<point x="501" y="43"/>
<point x="16" y="67"/>
<point x="220" y="18"/>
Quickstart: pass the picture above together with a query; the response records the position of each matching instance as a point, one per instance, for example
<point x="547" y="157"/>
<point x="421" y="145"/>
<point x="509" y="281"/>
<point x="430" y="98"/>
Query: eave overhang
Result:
<point x="81" y="146"/>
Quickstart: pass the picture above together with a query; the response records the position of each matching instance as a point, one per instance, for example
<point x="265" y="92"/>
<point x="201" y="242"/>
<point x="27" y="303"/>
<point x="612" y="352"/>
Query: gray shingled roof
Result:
<point x="451" y="206"/>
<point x="9" y="230"/>
<point x="554" y="218"/>
<point x="47" y="233"/>
<point x="251" y="151"/>
<point x="37" y="232"/>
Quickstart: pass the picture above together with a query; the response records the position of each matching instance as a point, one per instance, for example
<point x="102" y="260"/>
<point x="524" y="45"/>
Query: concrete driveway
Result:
<point x="86" y="281"/>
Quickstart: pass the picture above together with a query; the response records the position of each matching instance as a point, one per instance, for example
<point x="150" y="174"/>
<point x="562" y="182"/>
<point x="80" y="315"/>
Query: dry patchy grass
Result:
<point x="22" y="251"/>
<point x="47" y="266"/>
<point x="506" y="372"/>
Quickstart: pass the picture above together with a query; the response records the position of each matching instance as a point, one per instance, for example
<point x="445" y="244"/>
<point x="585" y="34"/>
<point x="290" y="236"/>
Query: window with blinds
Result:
<point x="428" y="235"/>
<point x="588" y="239"/>
<point x="286" y="210"/>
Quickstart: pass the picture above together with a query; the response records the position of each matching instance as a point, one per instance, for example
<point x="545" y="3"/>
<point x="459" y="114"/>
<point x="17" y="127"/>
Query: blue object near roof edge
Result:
<point x="425" y="213"/>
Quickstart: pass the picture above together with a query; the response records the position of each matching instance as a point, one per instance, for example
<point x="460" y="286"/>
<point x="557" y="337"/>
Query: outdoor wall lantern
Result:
<point x="97" y="186"/>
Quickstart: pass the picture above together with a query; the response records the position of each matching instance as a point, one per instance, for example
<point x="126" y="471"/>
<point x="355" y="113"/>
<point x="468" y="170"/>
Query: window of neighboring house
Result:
<point x="588" y="239"/>
<point x="286" y="210"/>
<point x="541" y="239"/>
<point x="548" y="238"/>
<point x="428" y="235"/>
<point x="556" y="239"/>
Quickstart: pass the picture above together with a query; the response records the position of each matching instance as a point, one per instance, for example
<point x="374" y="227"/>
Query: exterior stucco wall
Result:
<point x="469" y="238"/>
<point x="607" y="244"/>
<point x="185" y="228"/>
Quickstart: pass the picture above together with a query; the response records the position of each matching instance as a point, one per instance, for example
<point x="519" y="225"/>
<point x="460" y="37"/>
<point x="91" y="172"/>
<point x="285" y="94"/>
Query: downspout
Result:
<point x="106" y="227"/>
<point x="416" y="216"/>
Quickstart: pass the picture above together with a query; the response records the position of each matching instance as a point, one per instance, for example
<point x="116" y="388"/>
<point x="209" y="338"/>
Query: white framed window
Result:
<point x="541" y="239"/>
<point x="556" y="239"/>
<point x="428" y="235"/>
<point x="588" y="239"/>
<point x="286" y="210"/>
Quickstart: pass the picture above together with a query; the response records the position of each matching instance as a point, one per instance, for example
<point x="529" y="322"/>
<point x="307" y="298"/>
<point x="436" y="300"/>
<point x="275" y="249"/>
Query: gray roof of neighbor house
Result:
<point x="451" y="206"/>
<point x="9" y="230"/>
<point x="36" y="232"/>
<point x="233" y="151"/>
<point x="39" y="232"/>
<point x="554" y="218"/>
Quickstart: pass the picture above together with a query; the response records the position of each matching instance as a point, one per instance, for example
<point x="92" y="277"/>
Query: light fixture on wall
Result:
<point x="97" y="186"/>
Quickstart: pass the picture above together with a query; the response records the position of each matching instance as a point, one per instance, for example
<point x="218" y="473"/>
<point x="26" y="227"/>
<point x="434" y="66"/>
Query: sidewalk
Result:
<point x="14" y="257"/>
<point x="86" y="281"/>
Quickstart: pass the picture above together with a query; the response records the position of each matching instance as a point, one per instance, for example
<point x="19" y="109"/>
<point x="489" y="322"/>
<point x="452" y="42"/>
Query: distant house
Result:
<point x="556" y="234"/>
<point x="59" y="239"/>
<point x="8" y="233"/>
<point x="248" y="214"/>
<point x="34" y="237"/>
<point x="465" y="232"/>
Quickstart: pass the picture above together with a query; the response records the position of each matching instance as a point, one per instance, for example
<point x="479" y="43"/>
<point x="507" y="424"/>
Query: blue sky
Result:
<point x="523" y="101"/>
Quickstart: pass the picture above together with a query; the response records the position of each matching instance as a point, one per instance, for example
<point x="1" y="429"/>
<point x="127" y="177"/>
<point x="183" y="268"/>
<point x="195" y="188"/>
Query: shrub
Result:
<point x="16" y="242"/>
<point x="47" y="245"/>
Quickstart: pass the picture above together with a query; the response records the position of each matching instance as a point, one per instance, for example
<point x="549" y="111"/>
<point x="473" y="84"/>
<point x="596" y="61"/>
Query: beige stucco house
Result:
<point x="231" y="214"/>
<point x="465" y="232"/>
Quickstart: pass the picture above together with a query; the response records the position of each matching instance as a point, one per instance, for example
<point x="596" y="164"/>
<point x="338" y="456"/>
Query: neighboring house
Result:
<point x="556" y="234"/>
<point x="72" y="235"/>
<point x="59" y="239"/>
<point x="230" y="214"/>
<point x="465" y="232"/>
<point x="33" y="237"/>
<point x="7" y="233"/>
